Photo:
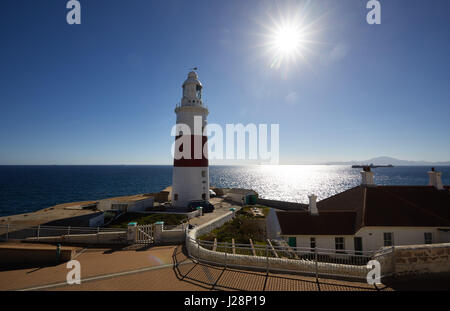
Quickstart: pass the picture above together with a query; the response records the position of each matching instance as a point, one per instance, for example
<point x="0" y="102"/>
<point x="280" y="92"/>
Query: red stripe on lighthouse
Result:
<point x="192" y="161"/>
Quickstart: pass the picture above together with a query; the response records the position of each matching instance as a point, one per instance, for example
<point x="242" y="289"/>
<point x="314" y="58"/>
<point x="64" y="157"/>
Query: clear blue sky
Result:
<point x="104" y="92"/>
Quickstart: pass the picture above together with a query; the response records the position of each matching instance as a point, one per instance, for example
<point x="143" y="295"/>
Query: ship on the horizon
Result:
<point x="371" y="166"/>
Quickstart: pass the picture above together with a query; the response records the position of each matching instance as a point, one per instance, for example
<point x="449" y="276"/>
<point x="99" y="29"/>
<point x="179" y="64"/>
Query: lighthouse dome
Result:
<point x="192" y="79"/>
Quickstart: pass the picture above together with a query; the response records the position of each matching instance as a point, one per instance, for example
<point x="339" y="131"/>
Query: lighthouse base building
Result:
<point x="190" y="168"/>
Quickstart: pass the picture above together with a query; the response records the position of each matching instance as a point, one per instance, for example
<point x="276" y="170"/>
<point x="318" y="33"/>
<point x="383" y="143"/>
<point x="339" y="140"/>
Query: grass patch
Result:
<point x="142" y="219"/>
<point x="243" y="227"/>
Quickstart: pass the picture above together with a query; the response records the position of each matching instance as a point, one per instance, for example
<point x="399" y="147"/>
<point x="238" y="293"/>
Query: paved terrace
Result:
<point x="168" y="268"/>
<point x="221" y="207"/>
<point x="160" y="268"/>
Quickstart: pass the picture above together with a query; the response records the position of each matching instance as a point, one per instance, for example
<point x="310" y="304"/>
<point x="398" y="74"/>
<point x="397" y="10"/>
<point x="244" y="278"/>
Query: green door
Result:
<point x="358" y="245"/>
<point x="292" y="241"/>
<point x="251" y="199"/>
<point x="247" y="200"/>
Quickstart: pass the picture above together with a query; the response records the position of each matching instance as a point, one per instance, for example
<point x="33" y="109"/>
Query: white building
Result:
<point x="241" y="196"/>
<point x="190" y="168"/>
<point x="131" y="203"/>
<point x="369" y="217"/>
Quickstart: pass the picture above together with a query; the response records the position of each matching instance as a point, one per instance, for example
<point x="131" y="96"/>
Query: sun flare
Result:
<point x="290" y="36"/>
<point x="287" y="43"/>
<point x="287" y="39"/>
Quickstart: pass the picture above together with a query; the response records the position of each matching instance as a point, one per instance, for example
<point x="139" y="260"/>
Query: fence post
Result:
<point x="393" y="261"/>
<point x="198" y="249"/>
<point x="316" y="264"/>
<point x="267" y="259"/>
<point x="38" y="231"/>
<point x="68" y="231"/>
<point x="226" y="257"/>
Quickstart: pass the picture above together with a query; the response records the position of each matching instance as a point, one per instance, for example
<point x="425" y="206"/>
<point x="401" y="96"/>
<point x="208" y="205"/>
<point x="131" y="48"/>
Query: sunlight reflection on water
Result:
<point x="294" y="182"/>
<point x="289" y="182"/>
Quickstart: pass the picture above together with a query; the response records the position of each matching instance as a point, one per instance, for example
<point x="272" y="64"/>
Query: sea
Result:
<point x="26" y="189"/>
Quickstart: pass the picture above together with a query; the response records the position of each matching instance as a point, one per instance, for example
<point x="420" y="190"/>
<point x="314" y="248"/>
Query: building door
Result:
<point x="358" y="245"/>
<point x="292" y="241"/>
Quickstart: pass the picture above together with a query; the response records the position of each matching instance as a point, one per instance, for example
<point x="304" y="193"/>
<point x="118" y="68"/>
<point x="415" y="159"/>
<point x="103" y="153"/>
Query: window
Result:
<point x="292" y="241"/>
<point x="203" y="173"/>
<point x="428" y="238"/>
<point x="204" y="196"/>
<point x="339" y="244"/>
<point x="120" y="207"/>
<point x="175" y="196"/>
<point x="388" y="238"/>
<point x="312" y="243"/>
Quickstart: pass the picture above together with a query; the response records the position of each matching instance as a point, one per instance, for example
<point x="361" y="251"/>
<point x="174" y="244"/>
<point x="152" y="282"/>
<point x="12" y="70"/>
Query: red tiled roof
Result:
<point x="413" y="206"/>
<point x="347" y="212"/>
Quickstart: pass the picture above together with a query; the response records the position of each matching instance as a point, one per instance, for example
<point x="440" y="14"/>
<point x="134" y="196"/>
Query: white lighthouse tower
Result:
<point x="190" y="167"/>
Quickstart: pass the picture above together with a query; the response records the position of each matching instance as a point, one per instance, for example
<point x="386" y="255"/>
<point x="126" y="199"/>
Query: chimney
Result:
<point x="312" y="204"/>
<point x="435" y="179"/>
<point x="367" y="177"/>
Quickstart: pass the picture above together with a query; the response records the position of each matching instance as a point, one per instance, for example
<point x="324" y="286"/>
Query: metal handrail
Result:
<point x="315" y="263"/>
<point x="323" y="251"/>
<point x="11" y="226"/>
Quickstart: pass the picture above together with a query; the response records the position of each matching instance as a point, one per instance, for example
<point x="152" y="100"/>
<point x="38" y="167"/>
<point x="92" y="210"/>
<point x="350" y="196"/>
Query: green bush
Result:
<point x="142" y="219"/>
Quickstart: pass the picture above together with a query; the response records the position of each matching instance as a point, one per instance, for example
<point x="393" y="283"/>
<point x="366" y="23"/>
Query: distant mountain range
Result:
<point x="389" y="160"/>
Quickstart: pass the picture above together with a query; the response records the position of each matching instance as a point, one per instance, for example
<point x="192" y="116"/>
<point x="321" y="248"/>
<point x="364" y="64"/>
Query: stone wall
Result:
<point x="414" y="259"/>
<point x="32" y="254"/>
<point x="422" y="259"/>
<point x="172" y="236"/>
<point x="288" y="206"/>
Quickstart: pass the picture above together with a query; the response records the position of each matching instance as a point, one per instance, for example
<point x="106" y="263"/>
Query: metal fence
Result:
<point x="21" y="232"/>
<point x="144" y="234"/>
<point x="283" y="258"/>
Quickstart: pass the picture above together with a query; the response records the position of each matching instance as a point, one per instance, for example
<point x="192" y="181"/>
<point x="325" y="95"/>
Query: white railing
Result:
<point x="22" y="232"/>
<point x="278" y="258"/>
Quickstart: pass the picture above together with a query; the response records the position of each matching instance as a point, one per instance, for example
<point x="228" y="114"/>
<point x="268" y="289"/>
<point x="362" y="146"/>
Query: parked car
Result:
<point x="207" y="207"/>
<point x="212" y="194"/>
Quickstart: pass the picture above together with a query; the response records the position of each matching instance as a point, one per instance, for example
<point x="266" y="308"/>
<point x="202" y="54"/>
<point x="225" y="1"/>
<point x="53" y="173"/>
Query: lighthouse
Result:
<point x="190" y="180"/>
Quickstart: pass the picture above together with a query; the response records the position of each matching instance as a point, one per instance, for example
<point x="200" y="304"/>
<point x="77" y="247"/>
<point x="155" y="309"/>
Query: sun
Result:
<point x="287" y="42"/>
<point x="287" y="39"/>
<point x="290" y="36"/>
